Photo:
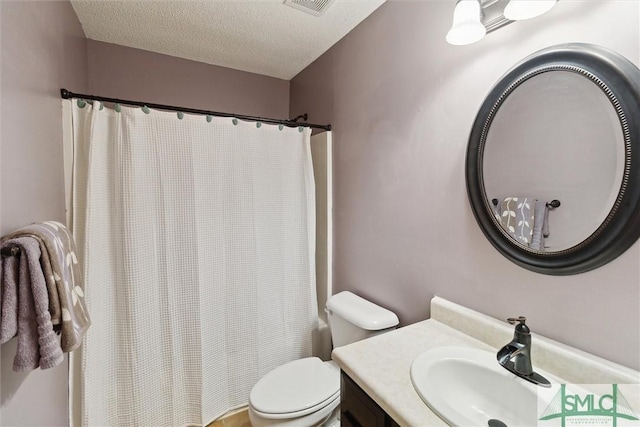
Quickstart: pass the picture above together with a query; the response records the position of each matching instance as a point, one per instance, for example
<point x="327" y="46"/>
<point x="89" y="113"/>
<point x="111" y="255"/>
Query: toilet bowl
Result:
<point x="306" y="392"/>
<point x="302" y="393"/>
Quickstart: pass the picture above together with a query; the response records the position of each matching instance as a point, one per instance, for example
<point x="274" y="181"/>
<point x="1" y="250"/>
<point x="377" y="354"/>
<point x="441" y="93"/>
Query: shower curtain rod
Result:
<point x="290" y="123"/>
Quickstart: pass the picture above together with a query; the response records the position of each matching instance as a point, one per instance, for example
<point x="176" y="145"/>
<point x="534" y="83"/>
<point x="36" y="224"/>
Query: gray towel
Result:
<point x="65" y="280"/>
<point x="545" y="223"/>
<point x="9" y="318"/>
<point x="37" y="342"/>
<point x="54" y="300"/>
<point x="539" y="219"/>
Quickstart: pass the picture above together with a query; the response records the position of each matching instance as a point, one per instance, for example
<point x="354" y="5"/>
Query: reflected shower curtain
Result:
<point x="197" y="235"/>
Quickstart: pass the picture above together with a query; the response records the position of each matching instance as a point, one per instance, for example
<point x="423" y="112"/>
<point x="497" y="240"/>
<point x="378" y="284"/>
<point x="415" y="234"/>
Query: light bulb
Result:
<point x="466" y="27"/>
<point x="517" y="10"/>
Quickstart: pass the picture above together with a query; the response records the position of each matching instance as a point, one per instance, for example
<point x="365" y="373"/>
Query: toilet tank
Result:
<point x="352" y="318"/>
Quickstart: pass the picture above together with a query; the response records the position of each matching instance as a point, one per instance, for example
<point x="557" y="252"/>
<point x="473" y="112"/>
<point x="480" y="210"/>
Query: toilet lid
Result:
<point x="295" y="386"/>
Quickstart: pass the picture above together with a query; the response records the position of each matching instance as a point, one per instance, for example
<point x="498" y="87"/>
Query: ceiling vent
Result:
<point x="313" y="7"/>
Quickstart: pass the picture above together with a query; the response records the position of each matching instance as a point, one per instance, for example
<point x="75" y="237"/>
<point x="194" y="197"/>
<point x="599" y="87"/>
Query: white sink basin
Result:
<point x="467" y="387"/>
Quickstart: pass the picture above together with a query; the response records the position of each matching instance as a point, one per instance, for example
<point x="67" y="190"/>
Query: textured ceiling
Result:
<point x="260" y="36"/>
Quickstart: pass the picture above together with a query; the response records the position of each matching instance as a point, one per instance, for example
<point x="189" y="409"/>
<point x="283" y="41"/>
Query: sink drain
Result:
<point x="496" y="423"/>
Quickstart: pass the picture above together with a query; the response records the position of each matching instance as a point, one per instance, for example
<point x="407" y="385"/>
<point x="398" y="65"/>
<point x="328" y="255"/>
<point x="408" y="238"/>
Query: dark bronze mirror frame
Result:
<point x="619" y="79"/>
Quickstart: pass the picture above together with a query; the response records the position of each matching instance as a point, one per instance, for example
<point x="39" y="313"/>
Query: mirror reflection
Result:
<point x="555" y="138"/>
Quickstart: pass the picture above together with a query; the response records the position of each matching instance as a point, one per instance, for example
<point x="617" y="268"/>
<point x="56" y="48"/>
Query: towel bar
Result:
<point x="10" y="251"/>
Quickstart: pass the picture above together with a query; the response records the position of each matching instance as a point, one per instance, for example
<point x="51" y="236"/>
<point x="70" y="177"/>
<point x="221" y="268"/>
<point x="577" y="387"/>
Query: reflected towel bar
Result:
<point x="551" y="205"/>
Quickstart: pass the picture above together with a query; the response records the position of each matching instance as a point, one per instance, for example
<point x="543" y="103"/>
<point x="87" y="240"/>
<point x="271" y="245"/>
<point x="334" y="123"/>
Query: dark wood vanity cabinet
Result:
<point x="357" y="409"/>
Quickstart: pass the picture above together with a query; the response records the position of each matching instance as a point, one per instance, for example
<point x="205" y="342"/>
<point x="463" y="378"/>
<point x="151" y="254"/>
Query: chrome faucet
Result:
<point x="515" y="357"/>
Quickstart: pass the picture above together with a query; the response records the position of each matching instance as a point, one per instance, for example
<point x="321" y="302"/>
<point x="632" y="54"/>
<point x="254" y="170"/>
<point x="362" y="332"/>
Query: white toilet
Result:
<point x="306" y="392"/>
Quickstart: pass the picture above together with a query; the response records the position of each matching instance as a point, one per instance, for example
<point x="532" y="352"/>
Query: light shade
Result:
<point x="517" y="10"/>
<point x="466" y="27"/>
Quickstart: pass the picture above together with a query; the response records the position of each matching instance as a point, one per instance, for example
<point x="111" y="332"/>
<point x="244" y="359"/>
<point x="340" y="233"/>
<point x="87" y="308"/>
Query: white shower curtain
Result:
<point x="197" y="235"/>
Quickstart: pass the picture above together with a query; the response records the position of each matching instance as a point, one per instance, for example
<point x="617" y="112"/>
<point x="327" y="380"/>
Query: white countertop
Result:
<point x="381" y="365"/>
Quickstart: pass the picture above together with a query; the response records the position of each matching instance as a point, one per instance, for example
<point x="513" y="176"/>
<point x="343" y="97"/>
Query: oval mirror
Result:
<point x="553" y="160"/>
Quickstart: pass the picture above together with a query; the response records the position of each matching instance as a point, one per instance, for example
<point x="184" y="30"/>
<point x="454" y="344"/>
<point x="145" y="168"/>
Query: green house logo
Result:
<point x="607" y="409"/>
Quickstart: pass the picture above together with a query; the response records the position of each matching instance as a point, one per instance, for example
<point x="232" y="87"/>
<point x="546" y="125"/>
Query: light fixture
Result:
<point x="466" y="27"/>
<point x="517" y="10"/>
<point x="472" y="19"/>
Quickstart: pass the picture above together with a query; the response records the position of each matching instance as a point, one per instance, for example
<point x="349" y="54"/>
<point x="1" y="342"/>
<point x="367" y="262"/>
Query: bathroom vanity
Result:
<point x="357" y="409"/>
<point x="377" y="389"/>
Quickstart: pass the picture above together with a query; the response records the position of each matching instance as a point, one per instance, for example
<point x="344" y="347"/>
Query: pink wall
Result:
<point x="123" y="72"/>
<point x="43" y="48"/>
<point x="402" y="102"/>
